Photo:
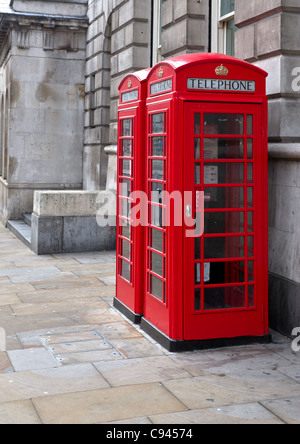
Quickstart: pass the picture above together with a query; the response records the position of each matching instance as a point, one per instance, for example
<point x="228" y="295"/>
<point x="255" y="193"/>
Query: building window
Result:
<point x="156" y="31"/>
<point x="223" y="27"/>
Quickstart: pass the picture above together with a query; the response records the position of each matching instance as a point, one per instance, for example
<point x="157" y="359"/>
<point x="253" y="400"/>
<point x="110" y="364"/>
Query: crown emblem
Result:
<point x="160" y="73"/>
<point x="222" y="71"/>
<point x="129" y="84"/>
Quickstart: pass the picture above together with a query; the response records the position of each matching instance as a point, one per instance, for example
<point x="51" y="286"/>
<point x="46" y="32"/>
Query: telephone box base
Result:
<point x="133" y="317"/>
<point x="183" y="346"/>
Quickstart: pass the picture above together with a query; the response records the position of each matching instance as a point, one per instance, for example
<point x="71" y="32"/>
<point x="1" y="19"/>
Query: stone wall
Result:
<point x="185" y="26"/>
<point x="43" y="92"/>
<point x="70" y="221"/>
<point x="118" y="43"/>
<point x="268" y="36"/>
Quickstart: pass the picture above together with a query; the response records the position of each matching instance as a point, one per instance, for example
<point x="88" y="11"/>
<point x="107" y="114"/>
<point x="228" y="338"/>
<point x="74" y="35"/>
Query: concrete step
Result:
<point x="27" y="219"/>
<point x="21" y="230"/>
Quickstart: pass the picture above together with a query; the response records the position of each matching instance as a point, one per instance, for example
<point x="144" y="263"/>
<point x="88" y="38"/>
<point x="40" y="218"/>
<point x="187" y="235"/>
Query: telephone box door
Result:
<point x="225" y="263"/>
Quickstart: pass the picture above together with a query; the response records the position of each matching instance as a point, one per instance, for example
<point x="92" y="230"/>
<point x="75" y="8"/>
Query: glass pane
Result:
<point x="125" y="270"/>
<point x="157" y="192"/>
<point x="197" y="248"/>
<point x="197" y="149"/>
<point x="250" y="197"/>
<point x="250" y="125"/>
<point x="197" y="123"/>
<point x="156" y="287"/>
<point x="230" y="30"/>
<point x="227" y="6"/>
<point x="124" y="207"/>
<point x="250" y="172"/>
<point x="157" y="216"/>
<point x="225" y="273"/>
<point x="250" y="149"/>
<point x="126" y="168"/>
<point x="224" y="124"/>
<point x="125" y="188"/>
<point x="197" y="299"/>
<point x="157" y="240"/>
<point x="219" y="223"/>
<point x="250" y="221"/>
<point x="126" y="128"/>
<point x="224" y="298"/>
<point x="221" y="173"/>
<point x="223" y="149"/>
<point x="250" y="246"/>
<point x="251" y="296"/>
<point x="224" y="247"/>
<point x="157" y="264"/>
<point x="157" y="169"/>
<point x="224" y="197"/>
<point x="125" y="229"/>
<point x="126" y="148"/>
<point x="125" y="249"/>
<point x="197" y="174"/>
<point x="157" y="146"/>
<point x="250" y="271"/>
<point x="197" y="274"/>
<point x="158" y="123"/>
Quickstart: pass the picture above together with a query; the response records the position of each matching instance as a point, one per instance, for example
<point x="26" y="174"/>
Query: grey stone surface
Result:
<point x="70" y="234"/>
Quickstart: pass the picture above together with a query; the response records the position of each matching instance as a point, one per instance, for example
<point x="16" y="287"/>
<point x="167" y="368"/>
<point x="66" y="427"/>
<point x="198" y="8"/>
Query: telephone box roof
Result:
<point x="188" y="60"/>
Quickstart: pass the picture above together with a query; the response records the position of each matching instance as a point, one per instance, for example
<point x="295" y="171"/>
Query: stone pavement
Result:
<point x="71" y="358"/>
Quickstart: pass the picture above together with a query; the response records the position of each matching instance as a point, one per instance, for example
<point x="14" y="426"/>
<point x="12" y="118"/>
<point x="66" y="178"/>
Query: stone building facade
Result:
<point x="42" y="101"/>
<point x="62" y="62"/>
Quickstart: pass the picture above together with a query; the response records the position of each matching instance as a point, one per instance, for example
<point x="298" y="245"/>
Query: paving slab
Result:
<point x="119" y="330"/>
<point x="229" y="360"/>
<point x="288" y="409"/>
<point x="9" y="299"/>
<point x="5" y="364"/>
<point x="219" y="390"/>
<point x="233" y="414"/>
<point x="101" y="406"/>
<point x="140" y="371"/>
<point x="59" y="307"/>
<point x="18" y="413"/>
<point x="136" y="348"/>
<point x="31" y="359"/>
<point x="49" y="382"/>
<point x="78" y="292"/>
<point x="293" y="372"/>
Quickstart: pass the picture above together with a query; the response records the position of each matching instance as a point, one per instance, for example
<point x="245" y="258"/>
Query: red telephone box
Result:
<point x="131" y="177"/>
<point x="206" y="150"/>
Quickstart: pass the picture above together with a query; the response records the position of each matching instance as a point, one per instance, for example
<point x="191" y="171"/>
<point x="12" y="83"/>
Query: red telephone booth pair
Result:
<point x="192" y="158"/>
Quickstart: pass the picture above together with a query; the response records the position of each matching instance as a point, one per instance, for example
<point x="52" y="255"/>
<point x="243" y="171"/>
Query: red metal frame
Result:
<point x="130" y="285"/>
<point x="175" y="315"/>
<point x="240" y="318"/>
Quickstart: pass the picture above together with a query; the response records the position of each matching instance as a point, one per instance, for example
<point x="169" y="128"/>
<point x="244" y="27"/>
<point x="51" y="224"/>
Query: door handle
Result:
<point x="188" y="211"/>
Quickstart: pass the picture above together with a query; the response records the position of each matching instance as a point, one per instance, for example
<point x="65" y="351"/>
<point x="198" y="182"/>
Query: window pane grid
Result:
<point x="156" y="249"/>
<point x="224" y="169"/>
<point x="126" y="185"/>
